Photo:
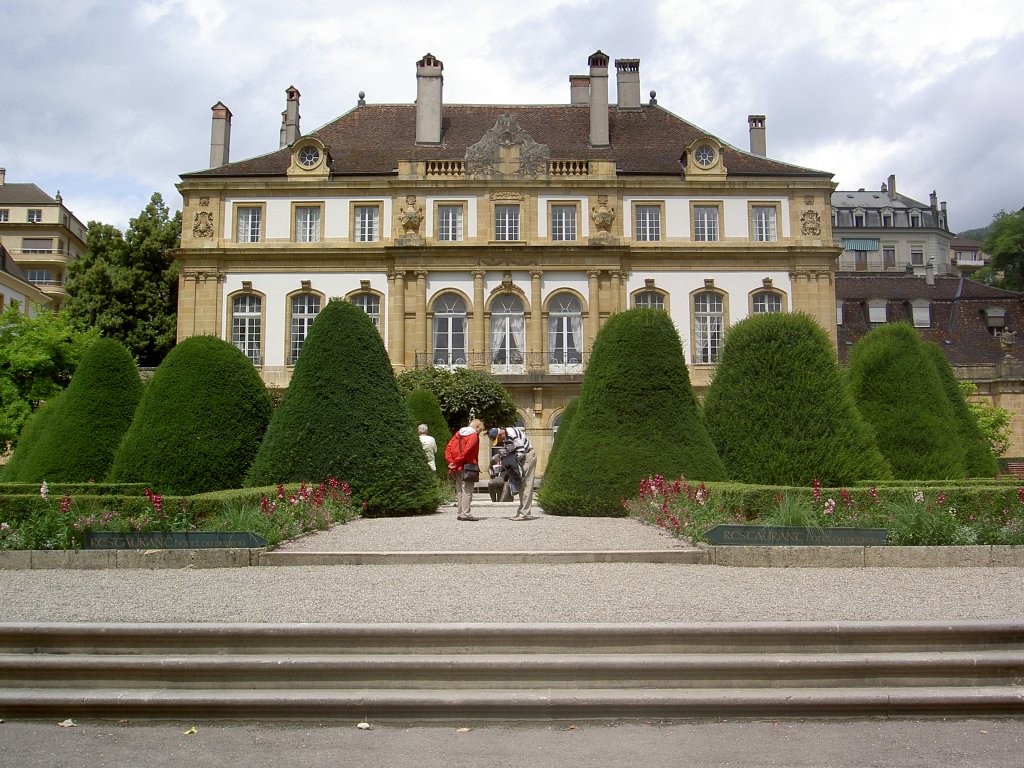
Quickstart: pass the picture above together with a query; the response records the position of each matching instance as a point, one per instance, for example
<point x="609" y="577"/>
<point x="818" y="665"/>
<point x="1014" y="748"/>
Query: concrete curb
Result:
<point x="982" y="556"/>
<point x="98" y="559"/>
<point x="554" y="557"/>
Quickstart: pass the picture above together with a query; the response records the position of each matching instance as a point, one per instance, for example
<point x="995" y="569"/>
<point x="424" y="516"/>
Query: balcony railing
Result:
<point x="518" y="364"/>
<point x="457" y="168"/>
<point x="47" y="283"/>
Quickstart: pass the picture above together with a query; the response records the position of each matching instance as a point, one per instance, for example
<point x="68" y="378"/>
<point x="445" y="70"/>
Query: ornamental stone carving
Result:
<point x="410" y="218"/>
<point x="202" y="224"/>
<point x="507" y="150"/>
<point x="810" y="223"/>
<point x="603" y="216"/>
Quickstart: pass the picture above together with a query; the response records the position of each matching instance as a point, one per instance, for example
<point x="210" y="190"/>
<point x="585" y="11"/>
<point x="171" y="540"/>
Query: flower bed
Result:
<point x="985" y="512"/>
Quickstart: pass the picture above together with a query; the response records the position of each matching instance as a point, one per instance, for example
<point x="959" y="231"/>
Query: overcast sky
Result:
<point x="108" y="101"/>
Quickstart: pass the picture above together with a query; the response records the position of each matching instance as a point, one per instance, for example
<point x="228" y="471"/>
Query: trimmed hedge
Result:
<point x="979" y="461"/>
<point x="30" y="439"/>
<point x="200" y="421"/>
<point x="637" y="416"/>
<point x="343" y="417"/>
<point x="82" y="436"/>
<point x="779" y="409"/>
<point x="897" y="389"/>
<point x="564" y="425"/>
<point x="460" y="391"/>
<point x="424" y="409"/>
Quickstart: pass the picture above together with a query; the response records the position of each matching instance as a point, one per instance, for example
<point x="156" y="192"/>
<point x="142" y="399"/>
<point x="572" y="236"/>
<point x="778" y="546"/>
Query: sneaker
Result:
<point x="468" y="517"/>
<point x="517" y="517"/>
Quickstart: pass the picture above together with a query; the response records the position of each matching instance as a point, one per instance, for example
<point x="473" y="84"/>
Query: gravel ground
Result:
<point x="597" y="592"/>
<point x="493" y="532"/>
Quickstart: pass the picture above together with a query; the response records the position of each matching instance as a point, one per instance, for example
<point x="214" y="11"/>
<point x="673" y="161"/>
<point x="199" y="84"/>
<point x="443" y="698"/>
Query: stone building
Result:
<point x="15" y="289"/>
<point x="975" y="325"/>
<point x="41" y="234"/>
<point x="501" y="237"/>
<point x="886" y="231"/>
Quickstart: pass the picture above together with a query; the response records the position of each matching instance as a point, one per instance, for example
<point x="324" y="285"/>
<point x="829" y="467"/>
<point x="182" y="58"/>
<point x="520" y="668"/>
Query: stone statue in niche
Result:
<point x="603" y="216"/>
<point x="810" y="223"/>
<point x="410" y="218"/>
<point x="202" y="224"/>
<point x="507" y="150"/>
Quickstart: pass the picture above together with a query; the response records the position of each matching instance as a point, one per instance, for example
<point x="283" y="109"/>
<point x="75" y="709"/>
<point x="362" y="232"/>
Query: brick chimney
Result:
<point x="627" y="84"/>
<point x="291" y="125"/>
<point x="892" y="186"/>
<point x="579" y="89"/>
<point x="429" y="82"/>
<point x="220" y="135"/>
<point x="758" y="140"/>
<point x="3" y="176"/>
<point x="598" y="62"/>
<point x="284" y="130"/>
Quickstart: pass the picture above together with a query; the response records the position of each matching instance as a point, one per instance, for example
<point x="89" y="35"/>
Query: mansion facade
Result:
<point x="501" y="237"/>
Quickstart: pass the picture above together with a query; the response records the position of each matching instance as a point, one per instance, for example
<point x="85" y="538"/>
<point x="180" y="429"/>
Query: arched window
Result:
<point x="246" y="326"/>
<point x="649" y="300"/>
<point x="508" y="335"/>
<point x="766" y="302"/>
<point x="565" y="334"/>
<point x="305" y="308"/>
<point x="370" y="304"/>
<point x="450" y="331"/>
<point x="708" y="326"/>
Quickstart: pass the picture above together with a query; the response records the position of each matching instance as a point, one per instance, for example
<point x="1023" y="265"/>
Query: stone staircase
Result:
<point x="478" y="672"/>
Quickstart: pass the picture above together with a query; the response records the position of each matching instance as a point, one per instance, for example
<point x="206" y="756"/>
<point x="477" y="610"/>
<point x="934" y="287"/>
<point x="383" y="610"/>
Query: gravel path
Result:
<point x="596" y="592"/>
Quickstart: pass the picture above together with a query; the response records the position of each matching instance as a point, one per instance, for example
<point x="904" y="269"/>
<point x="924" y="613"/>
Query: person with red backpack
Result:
<point x="462" y="454"/>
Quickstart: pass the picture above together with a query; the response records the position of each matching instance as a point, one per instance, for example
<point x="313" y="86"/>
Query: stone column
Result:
<point x="421" y="315"/>
<point x="398" y="322"/>
<point x="476" y="338"/>
<point x="594" y="315"/>
<point x="535" y="329"/>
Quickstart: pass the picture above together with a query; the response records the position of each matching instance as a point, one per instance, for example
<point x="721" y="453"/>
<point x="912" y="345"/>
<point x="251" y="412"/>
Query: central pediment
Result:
<point x="506" y="150"/>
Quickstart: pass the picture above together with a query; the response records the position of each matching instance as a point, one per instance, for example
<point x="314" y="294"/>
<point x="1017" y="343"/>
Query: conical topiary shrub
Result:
<point x="343" y="417"/>
<point x="424" y="409"/>
<point x="564" y="425"/>
<point x="82" y="436"/>
<point x="637" y="416"/>
<point x="979" y="461"/>
<point x="200" y="421"/>
<point x="897" y="389"/>
<point x="779" y="409"/>
<point x="30" y="440"/>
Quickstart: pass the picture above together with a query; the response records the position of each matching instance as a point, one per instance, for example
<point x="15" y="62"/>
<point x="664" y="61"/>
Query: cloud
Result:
<point x="113" y="97"/>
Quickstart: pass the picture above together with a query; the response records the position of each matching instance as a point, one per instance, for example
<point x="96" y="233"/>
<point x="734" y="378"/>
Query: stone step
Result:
<point x="513" y="671"/>
<point x="543" y="704"/>
<point x="672" y="556"/>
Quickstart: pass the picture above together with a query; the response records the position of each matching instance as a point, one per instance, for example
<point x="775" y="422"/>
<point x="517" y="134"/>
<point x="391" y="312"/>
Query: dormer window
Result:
<point x="995" y="320"/>
<point x="876" y="312"/>
<point x="886" y="218"/>
<point x="921" y="309"/>
<point x="915" y="219"/>
<point x="858" y="218"/>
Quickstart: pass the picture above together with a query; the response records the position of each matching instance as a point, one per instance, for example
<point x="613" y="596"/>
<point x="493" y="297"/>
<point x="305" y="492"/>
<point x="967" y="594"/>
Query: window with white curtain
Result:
<point x="508" y="335"/>
<point x="367" y="223"/>
<point x="246" y="326"/>
<point x="708" y="327"/>
<point x="563" y="222"/>
<point x="307" y="224"/>
<point x="764" y="223"/>
<point x="705" y="223"/>
<point x="249" y="221"/>
<point x="449" y="331"/>
<point x="565" y="334"/>
<point x="449" y="222"/>
<point x="305" y="308"/>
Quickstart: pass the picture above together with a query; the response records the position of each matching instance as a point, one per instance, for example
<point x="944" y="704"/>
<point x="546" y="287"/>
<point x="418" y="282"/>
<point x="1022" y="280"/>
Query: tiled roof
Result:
<point x="372" y="138"/>
<point x="24" y="194"/>
<point x="958" y="324"/>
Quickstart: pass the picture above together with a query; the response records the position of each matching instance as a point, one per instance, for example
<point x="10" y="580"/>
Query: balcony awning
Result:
<point x="850" y="244"/>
